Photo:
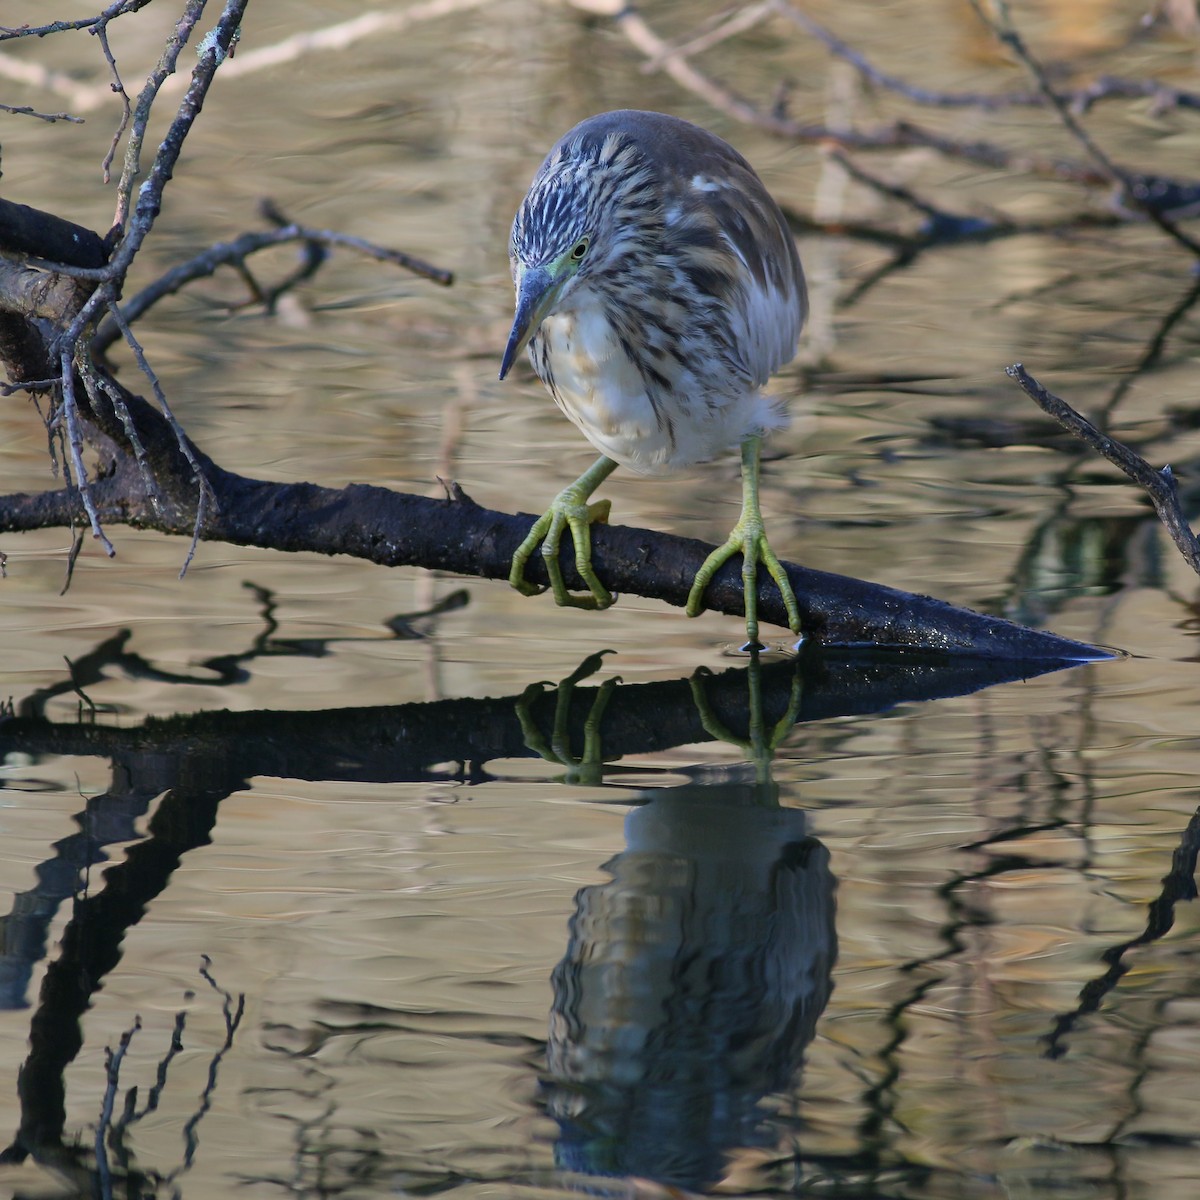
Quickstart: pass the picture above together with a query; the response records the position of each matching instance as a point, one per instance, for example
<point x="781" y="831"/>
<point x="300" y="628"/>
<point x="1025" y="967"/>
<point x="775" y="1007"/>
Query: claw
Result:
<point x="749" y="539"/>
<point x="569" y="510"/>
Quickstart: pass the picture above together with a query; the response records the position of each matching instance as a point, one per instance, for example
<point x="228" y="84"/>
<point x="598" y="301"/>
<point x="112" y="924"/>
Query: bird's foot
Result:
<point x="569" y="510"/>
<point x="748" y="539"/>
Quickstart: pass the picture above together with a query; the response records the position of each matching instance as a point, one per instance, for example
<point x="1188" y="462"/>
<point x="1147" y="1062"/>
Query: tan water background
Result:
<point x="395" y="943"/>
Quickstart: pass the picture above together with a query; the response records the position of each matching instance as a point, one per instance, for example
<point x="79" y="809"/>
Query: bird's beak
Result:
<point x="535" y="295"/>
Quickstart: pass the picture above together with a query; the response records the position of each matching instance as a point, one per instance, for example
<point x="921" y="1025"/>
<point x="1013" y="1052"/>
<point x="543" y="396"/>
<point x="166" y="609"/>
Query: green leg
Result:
<point x="748" y="539"/>
<point x="569" y="510"/>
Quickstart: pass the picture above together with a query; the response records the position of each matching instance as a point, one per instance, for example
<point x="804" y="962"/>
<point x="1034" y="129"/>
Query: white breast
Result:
<point x="598" y="387"/>
<point x="683" y="421"/>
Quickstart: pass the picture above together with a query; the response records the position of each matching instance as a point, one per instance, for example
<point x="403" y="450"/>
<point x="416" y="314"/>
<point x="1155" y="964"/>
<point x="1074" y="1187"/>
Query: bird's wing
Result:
<point x="714" y="190"/>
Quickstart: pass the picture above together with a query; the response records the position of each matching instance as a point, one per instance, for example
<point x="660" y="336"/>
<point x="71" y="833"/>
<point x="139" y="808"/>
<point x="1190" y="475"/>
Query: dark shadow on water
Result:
<point x="693" y="980"/>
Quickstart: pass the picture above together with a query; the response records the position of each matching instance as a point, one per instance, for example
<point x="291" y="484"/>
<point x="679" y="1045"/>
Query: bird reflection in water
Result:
<point x="691" y="985"/>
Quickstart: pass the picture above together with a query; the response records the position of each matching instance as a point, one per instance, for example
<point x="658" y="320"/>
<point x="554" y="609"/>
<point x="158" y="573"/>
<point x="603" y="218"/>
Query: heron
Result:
<point x="658" y="288"/>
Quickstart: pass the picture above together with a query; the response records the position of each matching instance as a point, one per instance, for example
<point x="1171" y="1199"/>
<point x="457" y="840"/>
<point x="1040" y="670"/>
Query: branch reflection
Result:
<point x="693" y="980"/>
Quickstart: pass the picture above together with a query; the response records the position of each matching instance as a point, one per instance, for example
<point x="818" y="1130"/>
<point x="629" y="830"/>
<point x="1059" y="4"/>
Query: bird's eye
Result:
<point x="579" y="249"/>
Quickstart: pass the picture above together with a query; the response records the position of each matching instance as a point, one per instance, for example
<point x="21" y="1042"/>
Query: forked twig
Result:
<point x="234" y="254"/>
<point x="1159" y="485"/>
<point x="119" y="9"/>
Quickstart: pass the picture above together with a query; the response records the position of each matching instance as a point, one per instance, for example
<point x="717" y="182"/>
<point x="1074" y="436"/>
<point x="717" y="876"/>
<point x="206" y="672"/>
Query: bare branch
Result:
<point x="715" y="31"/>
<point x="206" y="496"/>
<point x="133" y="147"/>
<point x="1079" y="99"/>
<point x="892" y="83"/>
<point x="119" y="9"/>
<point x="1160" y="486"/>
<point x="1132" y="186"/>
<point x="118" y="88"/>
<point x="25" y="111"/>
<point x="235" y="254"/>
<point x="893" y="135"/>
<point x="69" y="412"/>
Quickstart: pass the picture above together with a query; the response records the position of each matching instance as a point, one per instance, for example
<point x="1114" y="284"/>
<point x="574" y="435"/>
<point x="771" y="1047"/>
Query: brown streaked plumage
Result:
<point x="658" y="289"/>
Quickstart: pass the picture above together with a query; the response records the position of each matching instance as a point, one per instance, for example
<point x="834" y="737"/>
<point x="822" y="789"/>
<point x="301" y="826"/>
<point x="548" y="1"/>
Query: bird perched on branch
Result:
<point x="658" y="288"/>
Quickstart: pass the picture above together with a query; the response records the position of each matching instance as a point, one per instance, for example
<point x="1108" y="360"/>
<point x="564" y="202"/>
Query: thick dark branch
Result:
<point x="25" y="230"/>
<point x="459" y="536"/>
<point x="1160" y="486"/>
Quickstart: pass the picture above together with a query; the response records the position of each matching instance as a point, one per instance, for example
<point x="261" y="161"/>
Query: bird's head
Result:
<point x="577" y="222"/>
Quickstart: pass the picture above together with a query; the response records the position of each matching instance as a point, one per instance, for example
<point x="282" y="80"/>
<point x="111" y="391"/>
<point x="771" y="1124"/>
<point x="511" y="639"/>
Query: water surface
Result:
<point x="949" y="950"/>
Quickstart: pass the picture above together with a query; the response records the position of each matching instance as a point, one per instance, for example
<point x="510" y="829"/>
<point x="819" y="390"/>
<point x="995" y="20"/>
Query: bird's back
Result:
<point x="712" y="199"/>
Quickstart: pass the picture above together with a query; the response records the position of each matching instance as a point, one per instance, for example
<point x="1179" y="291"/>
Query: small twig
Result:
<point x="70" y="413"/>
<point x="1160" y="486"/>
<point x="1004" y="29"/>
<point x="206" y="498"/>
<point x="141" y="115"/>
<point x="27" y="385"/>
<point x="118" y="88"/>
<point x="119" y="9"/>
<point x="712" y="33"/>
<point x="312" y="258"/>
<point x="25" y="111"/>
